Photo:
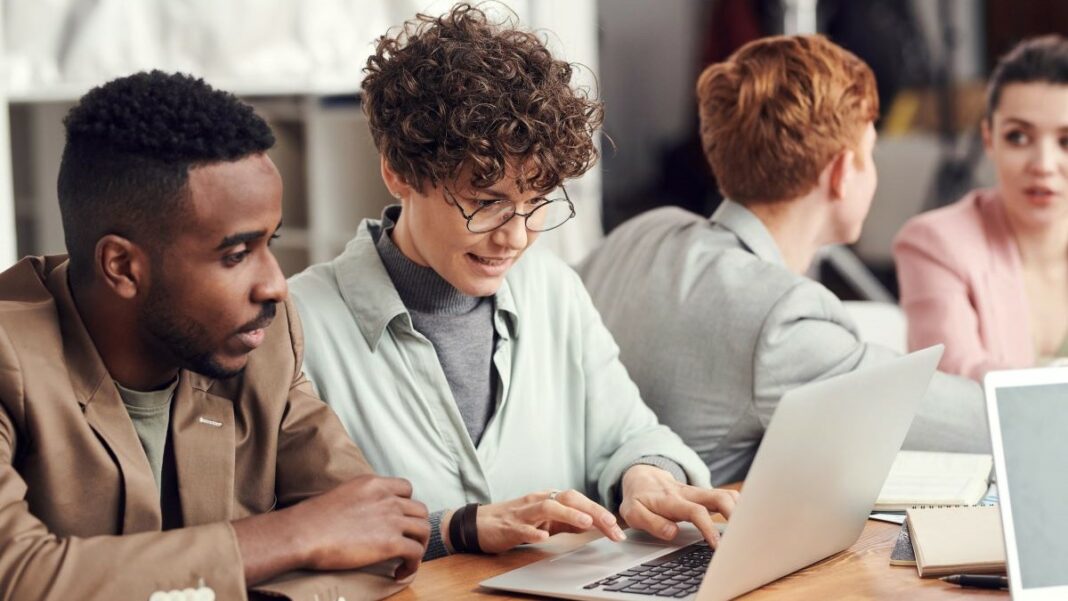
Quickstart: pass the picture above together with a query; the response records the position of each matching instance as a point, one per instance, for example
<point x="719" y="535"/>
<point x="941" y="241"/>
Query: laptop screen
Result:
<point x="1034" y="433"/>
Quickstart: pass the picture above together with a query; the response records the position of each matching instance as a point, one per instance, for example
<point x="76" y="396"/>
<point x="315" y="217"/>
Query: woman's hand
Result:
<point x="654" y="501"/>
<point x="533" y="518"/>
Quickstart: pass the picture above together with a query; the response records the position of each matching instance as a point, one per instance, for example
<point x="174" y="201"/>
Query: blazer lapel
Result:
<point x="108" y="418"/>
<point x="105" y="412"/>
<point x="1003" y="278"/>
<point x="203" y="435"/>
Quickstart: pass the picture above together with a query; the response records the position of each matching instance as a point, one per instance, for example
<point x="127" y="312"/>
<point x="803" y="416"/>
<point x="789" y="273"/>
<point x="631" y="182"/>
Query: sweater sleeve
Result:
<point x="435" y="548"/>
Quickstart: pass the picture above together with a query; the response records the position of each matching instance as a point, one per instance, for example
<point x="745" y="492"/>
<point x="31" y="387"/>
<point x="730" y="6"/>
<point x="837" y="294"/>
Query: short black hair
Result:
<point x="130" y="145"/>
<point x="1036" y="60"/>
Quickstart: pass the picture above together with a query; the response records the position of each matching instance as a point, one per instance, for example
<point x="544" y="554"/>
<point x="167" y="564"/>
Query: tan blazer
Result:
<point x="79" y="508"/>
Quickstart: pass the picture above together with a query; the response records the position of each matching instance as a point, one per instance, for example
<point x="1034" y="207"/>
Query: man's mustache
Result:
<point x="264" y="319"/>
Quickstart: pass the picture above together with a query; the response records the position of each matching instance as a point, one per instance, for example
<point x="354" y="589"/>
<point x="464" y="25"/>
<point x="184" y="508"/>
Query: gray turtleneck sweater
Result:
<point x="459" y="326"/>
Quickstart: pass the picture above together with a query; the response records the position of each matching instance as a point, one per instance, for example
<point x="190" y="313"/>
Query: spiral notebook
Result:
<point x="920" y="478"/>
<point x="903" y="553"/>
<point x="956" y="540"/>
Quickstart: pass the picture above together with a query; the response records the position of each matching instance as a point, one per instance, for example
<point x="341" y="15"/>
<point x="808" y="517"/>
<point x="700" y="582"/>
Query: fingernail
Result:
<point x="619" y="533"/>
<point x="669" y="530"/>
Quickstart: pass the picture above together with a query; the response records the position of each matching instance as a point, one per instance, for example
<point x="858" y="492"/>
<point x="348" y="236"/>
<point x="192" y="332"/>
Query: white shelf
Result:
<point x="70" y="92"/>
<point x="333" y="178"/>
<point x="329" y="165"/>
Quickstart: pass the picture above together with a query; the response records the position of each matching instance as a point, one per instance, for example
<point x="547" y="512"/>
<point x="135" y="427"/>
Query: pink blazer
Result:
<point x="961" y="284"/>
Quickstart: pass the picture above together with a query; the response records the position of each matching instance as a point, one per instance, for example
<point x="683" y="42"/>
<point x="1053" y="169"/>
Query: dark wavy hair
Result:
<point x="458" y="91"/>
<point x="130" y="145"/>
<point x="1035" y="60"/>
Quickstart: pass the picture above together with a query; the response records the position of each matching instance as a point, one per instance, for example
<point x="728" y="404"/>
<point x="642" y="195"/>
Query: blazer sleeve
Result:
<point x="620" y="428"/>
<point x="37" y="564"/>
<point x="315" y="454"/>
<point x="937" y="301"/>
<point x="808" y="336"/>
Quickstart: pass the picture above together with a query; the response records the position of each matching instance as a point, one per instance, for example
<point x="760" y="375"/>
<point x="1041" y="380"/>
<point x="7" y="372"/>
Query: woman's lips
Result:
<point x="490" y="266"/>
<point x="1039" y="195"/>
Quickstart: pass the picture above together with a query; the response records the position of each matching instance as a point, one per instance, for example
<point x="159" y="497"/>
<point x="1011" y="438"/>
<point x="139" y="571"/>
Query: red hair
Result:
<point x="777" y="112"/>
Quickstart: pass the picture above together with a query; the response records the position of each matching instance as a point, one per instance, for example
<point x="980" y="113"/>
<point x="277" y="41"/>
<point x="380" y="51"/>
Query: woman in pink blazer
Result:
<point x="988" y="275"/>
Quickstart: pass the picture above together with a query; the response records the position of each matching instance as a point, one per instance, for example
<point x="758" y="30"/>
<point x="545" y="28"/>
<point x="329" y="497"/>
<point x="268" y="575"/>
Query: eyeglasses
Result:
<point x="550" y="213"/>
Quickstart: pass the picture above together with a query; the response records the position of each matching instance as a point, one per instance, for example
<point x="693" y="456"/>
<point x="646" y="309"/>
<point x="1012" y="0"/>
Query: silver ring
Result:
<point x="553" y="493"/>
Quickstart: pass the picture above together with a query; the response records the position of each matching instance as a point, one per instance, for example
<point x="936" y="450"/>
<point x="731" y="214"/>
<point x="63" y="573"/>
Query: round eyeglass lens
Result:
<point x="549" y="216"/>
<point x="491" y="217"/>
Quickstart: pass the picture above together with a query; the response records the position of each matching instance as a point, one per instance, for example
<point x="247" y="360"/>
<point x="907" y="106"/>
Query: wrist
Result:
<point x="636" y="474"/>
<point x="271" y="544"/>
<point x="446" y="522"/>
<point x="304" y="548"/>
<point x="463" y="529"/>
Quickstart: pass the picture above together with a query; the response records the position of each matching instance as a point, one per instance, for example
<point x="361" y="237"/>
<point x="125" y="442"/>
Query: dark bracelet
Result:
<point x="455" y="531"/>
<point x="463" y="529"/>
<point x="470" y="528"/>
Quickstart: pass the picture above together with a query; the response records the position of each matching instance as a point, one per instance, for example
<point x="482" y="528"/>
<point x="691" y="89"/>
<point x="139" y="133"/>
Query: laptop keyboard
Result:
<point x="674" y="575"/>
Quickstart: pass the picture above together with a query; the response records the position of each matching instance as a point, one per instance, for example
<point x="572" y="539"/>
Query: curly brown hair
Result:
<point x="458" y="91"/>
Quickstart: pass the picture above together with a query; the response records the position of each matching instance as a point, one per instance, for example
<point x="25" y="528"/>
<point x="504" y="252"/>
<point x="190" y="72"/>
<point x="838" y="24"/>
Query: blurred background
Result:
<point x="299" y="62"/>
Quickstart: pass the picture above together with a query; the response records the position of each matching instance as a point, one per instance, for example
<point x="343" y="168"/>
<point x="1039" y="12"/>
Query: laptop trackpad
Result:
<point x="639" y="545"/>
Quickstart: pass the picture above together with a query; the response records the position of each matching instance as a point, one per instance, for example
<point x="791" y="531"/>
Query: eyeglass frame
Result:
<point x="452" y="199"/>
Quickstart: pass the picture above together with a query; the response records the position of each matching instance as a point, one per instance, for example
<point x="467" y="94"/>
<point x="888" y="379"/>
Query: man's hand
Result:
<point x="533" y="518"/>
<point x="364" y="521"/>
<point x="653" y="501"/>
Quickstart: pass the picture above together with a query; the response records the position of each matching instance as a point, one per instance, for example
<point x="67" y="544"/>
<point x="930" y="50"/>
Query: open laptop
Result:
<point x="1028" y="415"/>
<point x="815" y="478"/>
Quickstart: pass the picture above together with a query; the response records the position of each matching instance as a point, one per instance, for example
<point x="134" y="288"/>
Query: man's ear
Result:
<point x="394" y="182"/>
<point x="121" y="265"/>
<point x="839" y="172"/>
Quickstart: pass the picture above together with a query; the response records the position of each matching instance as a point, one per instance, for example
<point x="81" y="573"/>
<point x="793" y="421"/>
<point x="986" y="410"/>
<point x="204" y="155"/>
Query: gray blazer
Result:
<point x="714" y="328"/>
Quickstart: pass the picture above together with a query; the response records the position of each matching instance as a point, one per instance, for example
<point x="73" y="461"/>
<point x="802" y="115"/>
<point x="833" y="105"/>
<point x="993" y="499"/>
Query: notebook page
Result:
<point x="927" y="478"/>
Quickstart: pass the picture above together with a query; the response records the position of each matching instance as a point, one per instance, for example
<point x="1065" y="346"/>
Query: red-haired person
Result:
<point x="988" y="275"/>
<point x="714" y="316"/>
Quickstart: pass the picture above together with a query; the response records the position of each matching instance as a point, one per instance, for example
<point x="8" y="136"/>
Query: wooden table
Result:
<point x="860" y="572"/>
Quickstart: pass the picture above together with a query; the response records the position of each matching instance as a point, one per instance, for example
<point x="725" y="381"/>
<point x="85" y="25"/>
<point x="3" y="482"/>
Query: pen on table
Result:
<point x="977" y="580"/>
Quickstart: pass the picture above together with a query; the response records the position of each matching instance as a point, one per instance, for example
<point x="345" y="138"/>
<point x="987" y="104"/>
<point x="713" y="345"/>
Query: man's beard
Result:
<point x="187" y="340"/>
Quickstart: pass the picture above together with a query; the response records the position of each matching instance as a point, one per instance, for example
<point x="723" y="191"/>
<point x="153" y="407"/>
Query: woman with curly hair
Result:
<point x="458" y="355"/>
<point x="988" y="275"/>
